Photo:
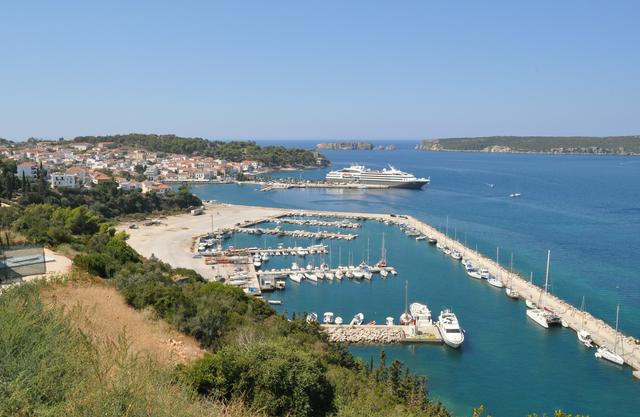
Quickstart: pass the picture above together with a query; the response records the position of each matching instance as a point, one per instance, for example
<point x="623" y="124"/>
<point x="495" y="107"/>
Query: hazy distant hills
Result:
<point x="605" y="145"/>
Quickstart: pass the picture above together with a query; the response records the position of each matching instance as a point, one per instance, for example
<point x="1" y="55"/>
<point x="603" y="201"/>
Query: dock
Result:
<point x="381" y="334"/>
<point x="293" y="233"/>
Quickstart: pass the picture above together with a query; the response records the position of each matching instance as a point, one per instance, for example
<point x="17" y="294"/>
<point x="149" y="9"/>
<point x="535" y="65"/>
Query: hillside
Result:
<point x="235" y="151"/>
<point x="606" y="145"/>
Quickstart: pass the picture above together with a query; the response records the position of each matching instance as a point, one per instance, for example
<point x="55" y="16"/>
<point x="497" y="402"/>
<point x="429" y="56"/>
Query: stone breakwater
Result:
<point x="367" y="334"/>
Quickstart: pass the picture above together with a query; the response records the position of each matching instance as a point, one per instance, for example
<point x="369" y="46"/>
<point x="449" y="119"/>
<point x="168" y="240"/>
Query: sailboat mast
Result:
<point x="367" y="251"/>
<point x="615" y="345"/>
<point x="546" y="277"/>
<point x="406" y="301"/>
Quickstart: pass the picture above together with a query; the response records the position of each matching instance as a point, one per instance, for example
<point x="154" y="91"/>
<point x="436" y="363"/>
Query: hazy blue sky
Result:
<point x="319" y="69"/>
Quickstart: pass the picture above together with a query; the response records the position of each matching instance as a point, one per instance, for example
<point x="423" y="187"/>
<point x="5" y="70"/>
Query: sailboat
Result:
<point x="382" y="263"/>
<point x="405" y="318"/>
<point x="544" y="316"/>
<point x="510" y="292"/>
<point x="529" y="303"/>
<point x="583" y="335"/>
<point x="611" y="356"/>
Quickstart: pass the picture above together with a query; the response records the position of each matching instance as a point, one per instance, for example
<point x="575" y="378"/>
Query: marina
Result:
<point x="404" y="223"/>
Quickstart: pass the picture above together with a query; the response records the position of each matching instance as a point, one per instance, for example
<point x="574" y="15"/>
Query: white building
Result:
<point x="29" y="169"/>
<point x="59" y="180"/>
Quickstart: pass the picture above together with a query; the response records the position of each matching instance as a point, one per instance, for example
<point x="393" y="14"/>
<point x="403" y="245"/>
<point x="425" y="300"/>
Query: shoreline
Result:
<point x="181" y="231"/>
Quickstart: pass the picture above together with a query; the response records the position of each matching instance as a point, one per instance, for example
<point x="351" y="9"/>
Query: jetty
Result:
<point x="381" y="334"/>
<point x="293" y="233"/>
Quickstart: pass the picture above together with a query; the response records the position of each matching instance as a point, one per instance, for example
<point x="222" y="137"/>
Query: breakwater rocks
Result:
<point x="367" y="334"/>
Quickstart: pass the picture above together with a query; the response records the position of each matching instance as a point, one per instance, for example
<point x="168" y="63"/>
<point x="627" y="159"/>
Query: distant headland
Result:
<point x="354" y="146"/>
<point x="592" y="145"/>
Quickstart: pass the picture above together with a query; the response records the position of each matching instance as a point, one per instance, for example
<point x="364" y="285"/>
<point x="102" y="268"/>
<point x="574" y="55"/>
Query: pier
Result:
<point x="294" y="233"/>
<point x="381" y="334"/>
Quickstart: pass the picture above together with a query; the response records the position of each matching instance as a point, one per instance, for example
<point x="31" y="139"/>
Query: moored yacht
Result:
<point x="327" y="318"/>
<point x="545" y="317"/>
<point x="585" y="338"/>
<point x="357" y="319"/>
<point x="450" y="329"/>
<point x="420" y="314"/>
<point x="612" y="355"/>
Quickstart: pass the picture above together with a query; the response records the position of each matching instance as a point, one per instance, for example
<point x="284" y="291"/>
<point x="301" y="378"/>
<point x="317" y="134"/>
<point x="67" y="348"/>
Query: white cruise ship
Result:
<point x="390" y="177"/>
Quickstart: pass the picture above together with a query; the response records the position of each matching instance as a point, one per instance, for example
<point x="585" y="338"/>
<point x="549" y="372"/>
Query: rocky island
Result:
<point x="354" y="146"/>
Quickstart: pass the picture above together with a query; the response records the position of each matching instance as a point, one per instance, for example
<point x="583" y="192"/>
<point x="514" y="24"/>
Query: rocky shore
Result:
<point x="364" y="334"/>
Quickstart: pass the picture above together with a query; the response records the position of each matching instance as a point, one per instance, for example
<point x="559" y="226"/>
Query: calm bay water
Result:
<point x="586" y="210"/>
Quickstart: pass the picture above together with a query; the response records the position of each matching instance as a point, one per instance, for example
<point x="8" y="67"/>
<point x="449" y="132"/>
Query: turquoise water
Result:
<point x="585" y="209"/>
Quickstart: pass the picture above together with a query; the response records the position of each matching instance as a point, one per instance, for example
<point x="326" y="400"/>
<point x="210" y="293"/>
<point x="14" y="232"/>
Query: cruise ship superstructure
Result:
<point x="390" y="177"/>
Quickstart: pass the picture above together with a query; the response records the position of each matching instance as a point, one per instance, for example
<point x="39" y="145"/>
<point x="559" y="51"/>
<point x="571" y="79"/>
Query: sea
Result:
<point x="584" y="209"/>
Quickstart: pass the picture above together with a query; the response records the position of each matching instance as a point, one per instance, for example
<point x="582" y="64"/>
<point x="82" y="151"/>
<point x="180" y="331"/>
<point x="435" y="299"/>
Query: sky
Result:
<point x="319" y="69"/>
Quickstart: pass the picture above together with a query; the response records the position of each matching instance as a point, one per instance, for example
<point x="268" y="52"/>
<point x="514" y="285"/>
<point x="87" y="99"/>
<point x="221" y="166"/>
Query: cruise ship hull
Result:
<point x="413" y="185"/>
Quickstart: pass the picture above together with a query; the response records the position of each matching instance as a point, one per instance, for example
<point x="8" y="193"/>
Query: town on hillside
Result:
<point x="80" y="164"/>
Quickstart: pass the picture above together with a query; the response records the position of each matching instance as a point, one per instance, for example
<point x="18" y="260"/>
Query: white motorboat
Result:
<point x="311" y="276"/>
<point x="530" y="304"/>
<point x="440" y="245"/>
<point x="296" y="277"/>
<point x="357" y="319"/>
<point x="309" y="267"/>
<point x="319" y="274"/>
<point x="257" y="264"/>
<point x="311" y="318"/>
<point x="329" y="275"/>
<point x="389" y="321"/>
<point x="338" y="320"/>
<point x="393" y="271"/>
<point x="384" y="273"/>
<point x="265" y="257"/>
<point x="294" y="266"/>
<point x="327" y="318"/>
<point x="339" y="274"/>
<point x="473" y="273"/>
<point x="275" y="302"/>
<point x="545" y="317"/>
<point x="495" y="282"/>
<point x="585" y="338"/>
<point x="420" y="314"/>
<point x="484" y="273"/>
<point x="450" y="329"/>
<point x="512" y="195"/>
<point x="358" y="273"/>
<point x="367" y="275"/>
<point x="421" y="237"/>
<point x="456" y="255"/>
<point x="447" y="251"/>
<point x="612" y="355"/>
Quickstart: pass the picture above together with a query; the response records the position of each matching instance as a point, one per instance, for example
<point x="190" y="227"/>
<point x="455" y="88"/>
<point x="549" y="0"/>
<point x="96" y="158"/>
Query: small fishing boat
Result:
<point x="432" y="240"/>
<point x="484" y="273"/>
<point x="446" y="251"/>
<point x="338" y="320"/>
<point x="357" y="319"/>
<point x="358" y="273"/>
<point x="513" y="195"/>
<point x="421" y="237"/>
<point x="327" y="318"/>
<point x="456" y="255"/>
<point x="311" y="276"/>
<point x="384" y="273"/>
<point x="389" y="321"/>
<point x="294" y="266"/>
<point x="275" y="302"/>
<point x="311" y="318"/>
<point x="329" y="275"/>
<point x="393" y="271"/>
<point x="530" y="304"/>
